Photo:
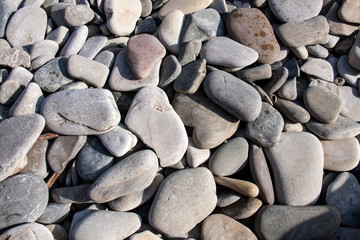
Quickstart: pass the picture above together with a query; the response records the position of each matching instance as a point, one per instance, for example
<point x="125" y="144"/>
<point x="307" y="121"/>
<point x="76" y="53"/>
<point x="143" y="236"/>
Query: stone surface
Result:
<point x="36" y="160"/>
<point x="77" y="15"/>
<point x="154" y="121"/>
<point x="54" y="213"/>
<point x="59" y="35"/>
<point x="191" y="76"/>
<point x="245" y="188"/>
<point x="350" y="74"/>
<point x="43" y="47"/>
<point x="185" y="6"/>
<point x="24" y="198"/>
<point x="297" y="162"/>
<point x="14" y="57"/>
<point x="132" y="174"/>
<point x="28" y="231"/>
<point x="260" y="72"/>
<point x="292" y="110"/>
<point x="278" y="79"/>
<point x="57" y="12"/>
<point x="287" y="222"/>
<point x="349" y="11"/>
<point x="169" y="71"/>
<point x="145" y="235"/>
<point x="288" y="90"/>
<point x="354" y="54"/>
<point x="319" y="68"/>
<point x="336" y="25"/>
<point x="318" y="51"/>
<point x="7" y="7"/>
<point x="184" y="199"/>
<point x="170" y="30"/>
<point x="218" y="226"/>
<point x="250" y="27"/>
<point x="75" y="194"/>
<point x="22" y="132"/>
<point x="93" y="46"/>
<point x="343" y="194"/>
<point x="81" y="112"/>
<point x="345" y="233"/>
<point x="58" y="232"/>
<point x="75" y="42"/>
<point x="196" y="156"/>
<point x="226" y="197"/>
<point x="350" y="101"/>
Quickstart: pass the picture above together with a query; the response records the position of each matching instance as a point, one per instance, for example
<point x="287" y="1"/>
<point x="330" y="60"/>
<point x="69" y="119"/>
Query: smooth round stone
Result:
<point x="260" y="72"/>
<point x="196" y="156"/>
<point x="343" y="193"/>
<point x="226" y="197"/>
<point x="10" y="91"/>
<point x="66" y="113"/>
<point x="318" y="51"/>
<point x="191" y="76"/>
<point x="295" y="11"/>
<point x="123" y="79"/>
<point x="170" y="30"/>
<point x="212" y="125"/>
<point x="93" y="46"/>
<point x="14" y="57"/>
<point x="218" y="226"/>
<point x="59" y="35"/>
<point x="132" y="174"/>
<point x="28" y="231"/>
<point x="245" y="188"/>
<point x="267" y="127"/>
<point x="58" y="232"/>
<point x="143" y="52"/>
<point x="24" y="198"/>
<point x="36" y="160"/>
<point x="146" y="7"/>
<point x="57" y="12"/>
<point x="297" y="162"/>
<point x="43" y="47"/>
<point x="350" y="103"/>
<point x="349" y="11"/>
<point x="230" y="157"/>
<point x="169" y="71"/>
<point x="122" y="16"/>
<point x="223" y="51"/>
<point x="278" y="78"/>
<point x="244" y="21"/>
<point x="105" y="57"/>
<point x="17" y="136"/>
<point x="287" y="222"/>
<point x="175" y="213"/>
<point x="75" y="194"/>
<point x="54" y="213"/>
<point x="146" y="26"/>
<point x="288" y="90"/>
<point x="350" y="74"/>
<point x="186" y="6"/>
<point x="63" y="150"/>
<point x="75" y="42"/>
<point x="319" y="68"/>
<point x="341" y="155"/>
<point x="292" y="110"/>
<point x="152" y="118"/>
<point x="114" y="225"/>
<point x="77" y="15"/>
<point x="309" y="32"/>
<point x="233" y="95"/>
<point x="93" y="159"/>
<point x="8" y="7"/>
<point x="26" y="26"/>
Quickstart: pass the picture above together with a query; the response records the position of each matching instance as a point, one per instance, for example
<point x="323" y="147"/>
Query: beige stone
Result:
<point x="186" y="6"/>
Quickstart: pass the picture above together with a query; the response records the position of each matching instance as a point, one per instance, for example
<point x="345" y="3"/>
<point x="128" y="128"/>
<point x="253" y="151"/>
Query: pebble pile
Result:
<point x="179" y="119"/>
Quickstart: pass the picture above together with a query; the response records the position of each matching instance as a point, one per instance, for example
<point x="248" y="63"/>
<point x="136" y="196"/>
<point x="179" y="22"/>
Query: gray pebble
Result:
<point x="226" y="197"/>
<point x="57" y="12"/>
<point x="294" y="111"/>
<point x="169" y="71"/>
<point x="350" y="103"/>
<point x="148" y="25"/>
<point x="350" y="74"/>
<point x="43" y="47"/>
<point x="54" y="213"/>
<point x="288" y="90"/>
<point x="59" y="35"/>
<point x="191" y="77"/>
<point x="58" y="232"/>
<point x="93" y="46"/>
<point x="28" y="231"/>
<point x="279" y="76"/>
<point x="77" y="15"/>
<point x="75" y="42"/>
<point x="318" y="51"/>
<point x="189" y="52"/>
<point x="105" y="57"/>
<point x="36" y="160"/>
<point x="14" y="57"/>
<point x="260" y="72"/>
<point x="76" y="194"/>
<point x="8" y="7"/>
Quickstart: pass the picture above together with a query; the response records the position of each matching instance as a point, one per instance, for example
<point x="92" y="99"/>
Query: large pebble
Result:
<point x="170" y="30"/>
<point x="18" y="135"/>
<point x="24" y="198"/>
<point x="14" y="57"/>
<point x="33" y="231"/>
<point x="184" y="199"/>
<point x="250" y="27"/>
<point x="297" y="162"/>
<point x="152" y="118"/>
<point x="81" y="112"/>
<point x="132" y="174"/>
<point x="350" y="103"/>
<point x="319" y="68"/>
<point x="77" y="15"/>
<point x="186" y="6"/>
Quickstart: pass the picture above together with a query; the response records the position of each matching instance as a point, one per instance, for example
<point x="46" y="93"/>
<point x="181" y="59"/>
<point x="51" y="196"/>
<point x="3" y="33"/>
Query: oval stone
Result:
<point x="31" y="231"/>
<point x="186" y="6"/>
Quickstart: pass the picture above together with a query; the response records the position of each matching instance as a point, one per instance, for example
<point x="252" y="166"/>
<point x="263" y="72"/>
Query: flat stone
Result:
<point x="58" y="232"/>
<point x="297" y="162"/>
<point x="287" y="222"/>
<point x="189" y="52"/>
<point x="132" y="174"/>
<point x="194" y="197"/>
<point x="226" y="197"/>
<point x="349" y="11"/>
<point x="54" y="213"/>
<point x="212" y="125"/>
<point x="233" y="95"/>
<point x="43" y="47"/>
<point x="350" y="74"/>
<point x="14" y="57"/>
<point x="309" y="32"/>
<point x="267" y="127"/>
<point x="226" y="52"/>
<point x="341" y="155"/>
<point x="77" y="15"/>
<point x="75" y="42"/>
<point x="24" y="131"/>
<point x="123" y="79"/>
<point x="89" y="71"/>
<point x="152" y="118"/>
<point x="288" y="90"/>
<point x="216" y="226"/>
<point x="341" y="129"/>
<point x="191" y="77"/>
<point x="75" y="194"/>
<point x="295" y="11"/>
<point x="292" y="110"/>
<point x="170" y="30"/>
<point x="170" y="69"/>
<point x="93" y="160"/>
<point x="36" y="160"/>
<point x="63" y="150"/>
<point x="260" y="72"/>
<point x="278" y="78"/>
<point x="318" y="51"/>
<point x="336" y="25"/>
<point x="93" y="46"/>
<point x="122" y="16"/>
<point x="244" y="21"/>
<point x="143" y="52"/>
<point x="185" y="6"/>
<point x="89" y="226"/>
<point x="23" y="199"/>
<point x="59" y="35"/>
<point x="57" y="12"/>
<point x="196" y="156"/>
<point x="319" y="68"/>
<point x="354" y="54"/>
<point x="26" y="26"/>
<point x="243" y="187"/>
<point x="33" y="230"/>
<point x="343" y="194"/>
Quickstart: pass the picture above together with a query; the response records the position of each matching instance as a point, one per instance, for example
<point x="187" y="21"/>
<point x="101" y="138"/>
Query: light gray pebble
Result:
<point x="60" y="35"/>
<point x="36" y="160"/>
<point x="260" y="72"/>
<point x="318" y="51"/>
<point x="93" y="46"/>
<point x="57" y="12"/>
<point x="43" y="47"/>
<point x="28" y="230"/>
<point x="288" y="89"/>
<point x="58" y="231"/>
<point x="75" y="42"/>
<point x="350" y="74"/>
<point x="14" y="57"/>
<point x="54" y="213"/>
<point x="77" y="15"/>
<point x="105" y="57"/>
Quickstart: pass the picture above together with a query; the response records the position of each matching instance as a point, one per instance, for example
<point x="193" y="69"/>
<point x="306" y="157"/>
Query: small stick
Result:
<point x="52" y="179"/>
<point x="46" y="136"/>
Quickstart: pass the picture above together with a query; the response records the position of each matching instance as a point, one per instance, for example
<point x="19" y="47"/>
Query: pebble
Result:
<point x="336" y="25"/>
<point x="295" y="11"/>
<point x="93" y="46"/>
<point x="226" y="197"/>
<point x="288" y="90"/>
<point x="233" y="95"/>
<point x="223" y="51"/>
<point x="57" y="12"/>
<point x="58" y="232"/>
<point x="122" y="16"/>
<point x="349" y="11"/>
<point x="289" y="222"/>
<point x="63" y="150"/>
<point x="75" y="194"/>
<point x="196" y="156"/>
<point x="297" y="162"/>
<point x="77" y="15"/>
<point x="59" y="35"/>
<point x="278" y="78"/>
<point x="354" y="54"/>
<point x="343" y="194"/>
<point x="309" y="32"/>
<point x="75" y="42"/>
<point x="28" y="231"/>
<point x="318" y="51"/>
<point x="54" y="213"/>
<point x="350" y="101"/>
<point x="105" y="57"/>
<point x="66" y="113"/>
<point x="169" y="71"/>
<point x="245" y="188"/>
<point x="10" y="90"/>
<point x="218" y="226"/>
<point x="242" y="209"/>
<point x="8" y="7"/>
<point x="36" y="160"/>
<point x="186" y="6"/>
<point x="89" y="227"/>
<point x="319" y="68"/>
<point x="191" y="76"/>
<point x="14" y="57"/>
<point x="22" y="132"/>
<point x="189" y="52"/>
<point x="212" y="125"/>
<point x="244" y="21"/>
<point x="175" y="213"/>
<point x="146" y="26"/>
<point x="292" y="110"/>
<point x="229" y="158"/>
<point x="24" y="198"/>
<point x="260" y="72"/>
<point x="43" y="47"/>
<point x="132" y="174"/>
<point x="152" y="118"/>
<point x="341" y="155"/>
<point x="350" y="74"/>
